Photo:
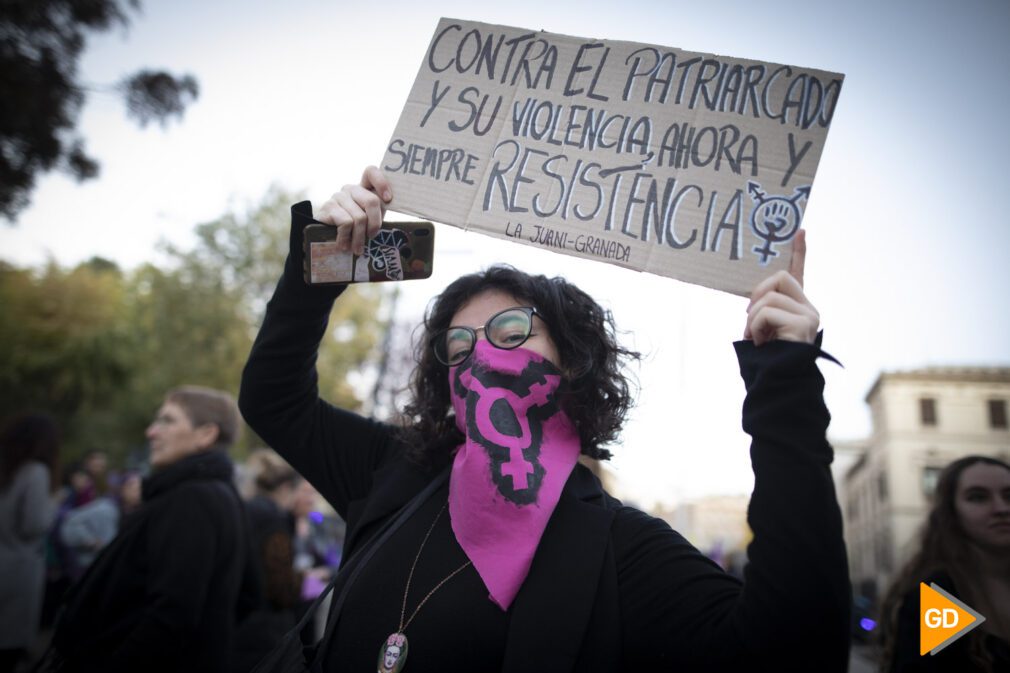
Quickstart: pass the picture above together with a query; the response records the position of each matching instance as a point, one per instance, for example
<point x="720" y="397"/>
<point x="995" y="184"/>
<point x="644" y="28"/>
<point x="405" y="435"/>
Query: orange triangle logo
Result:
<point x="942" y="619"/>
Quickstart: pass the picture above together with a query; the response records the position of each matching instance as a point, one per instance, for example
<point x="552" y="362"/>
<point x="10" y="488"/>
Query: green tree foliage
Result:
<point x="353" y="338"/>
<point x="65" y="341"/>
<point x="246" y="254"/>
<point x="64" y="335"/>
<point x="100" y="347"/>
<point x="41" y="42"/>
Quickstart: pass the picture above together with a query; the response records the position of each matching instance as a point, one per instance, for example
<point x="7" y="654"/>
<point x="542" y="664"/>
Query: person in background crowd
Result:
<point x="966" y="551"/>
<point x="96" y="464"/>
<point x="318" y="540"/>
<point x="29" y="472"/>
<point x="129" y="493"/>
<point x="86" y="529"/>
<point x="79" y="488"/>
<point x="62" y="565"/>
<point x="166" y="594"/>
<point x="272" y="531"/>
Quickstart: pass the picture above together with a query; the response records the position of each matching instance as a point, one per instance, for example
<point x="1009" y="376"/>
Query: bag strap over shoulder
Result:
<point x="359" y="560"/>
<point x="289" y="656"/>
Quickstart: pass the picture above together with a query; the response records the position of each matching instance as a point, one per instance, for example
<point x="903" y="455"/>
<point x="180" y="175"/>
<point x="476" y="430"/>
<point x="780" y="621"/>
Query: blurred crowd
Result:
<point x="58" y="521"/>
<point x="56" y="518"/>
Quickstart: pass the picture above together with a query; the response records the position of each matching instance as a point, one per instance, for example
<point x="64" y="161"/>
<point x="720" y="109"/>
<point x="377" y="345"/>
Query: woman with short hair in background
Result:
<point x="166" y="593"/>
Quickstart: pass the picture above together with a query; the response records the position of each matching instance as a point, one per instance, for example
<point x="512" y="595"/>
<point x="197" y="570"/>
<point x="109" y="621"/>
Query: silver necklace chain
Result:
<point x="410" y="577"/>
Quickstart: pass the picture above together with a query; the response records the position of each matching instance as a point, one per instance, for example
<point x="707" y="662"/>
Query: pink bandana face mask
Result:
<point x="508" y="475"/>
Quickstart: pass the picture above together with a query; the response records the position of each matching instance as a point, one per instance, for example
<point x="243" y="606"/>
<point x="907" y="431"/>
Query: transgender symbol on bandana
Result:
<point x="508" y="474"/>
<point x="505" y="414"/>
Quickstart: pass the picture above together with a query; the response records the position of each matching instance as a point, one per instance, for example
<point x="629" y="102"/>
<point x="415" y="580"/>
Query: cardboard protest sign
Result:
<point x="683" y="164"/>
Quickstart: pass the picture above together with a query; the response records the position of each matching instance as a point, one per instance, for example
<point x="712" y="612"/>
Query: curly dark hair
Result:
<point x="597" y="396"/>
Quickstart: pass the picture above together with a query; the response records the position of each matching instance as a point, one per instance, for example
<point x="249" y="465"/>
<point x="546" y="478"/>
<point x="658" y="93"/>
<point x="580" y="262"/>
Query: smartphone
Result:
<point x="400" y="251"/>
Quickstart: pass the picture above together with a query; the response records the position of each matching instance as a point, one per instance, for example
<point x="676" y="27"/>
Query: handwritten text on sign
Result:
<point x="683" y="164"/>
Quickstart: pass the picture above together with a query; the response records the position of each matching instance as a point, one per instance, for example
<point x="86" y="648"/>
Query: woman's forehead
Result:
<point x="476" y="311"/>
<point x="984" y="475"/>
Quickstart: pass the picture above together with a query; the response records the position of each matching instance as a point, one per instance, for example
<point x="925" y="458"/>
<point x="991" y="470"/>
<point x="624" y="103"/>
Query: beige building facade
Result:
<point x="922" y="420"/>
<point x="716" y="525"/>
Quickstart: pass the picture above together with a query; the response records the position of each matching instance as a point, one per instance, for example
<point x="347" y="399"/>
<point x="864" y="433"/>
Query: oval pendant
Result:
<point x="393" y="654"/>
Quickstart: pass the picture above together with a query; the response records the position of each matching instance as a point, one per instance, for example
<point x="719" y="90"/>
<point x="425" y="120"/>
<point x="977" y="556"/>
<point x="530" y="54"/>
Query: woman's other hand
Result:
<point x="778" y="307"/>
<point x="357" y="210"/>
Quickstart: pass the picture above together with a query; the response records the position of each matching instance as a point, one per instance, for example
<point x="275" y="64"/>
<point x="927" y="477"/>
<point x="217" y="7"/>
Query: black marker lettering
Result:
<point x="670" y="216"/>
<point x="475" y="112"/>
<point x="584" y="180"/>
<point x="632" y="200"/>
<point x="434" y="46"/>
<point x="685" y="72"/>
<point x="727" y="224"/>
<point x="709" y="71"/>
<point x="496" y="177"/>
<point x="795" y="95"/>
<point x="813" y="100"/>
<point x="537" y="210"/>
<point x="394" y="149"/>
<point x="794" y="158"/>
<point x="635" y="72"/>
<point x="488" y="58"/>
<point x="522" y="179"/>
<point x="831" y="92"/>
<point x="768" y="85"/>
<point x="578" y="68"/>
<point x="436" y="98"/>
<point x="754" y="75"/>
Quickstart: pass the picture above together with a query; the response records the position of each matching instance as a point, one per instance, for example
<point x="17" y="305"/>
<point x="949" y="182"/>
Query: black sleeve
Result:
<point x="335" y="449"/>
<point x="906" y="641"/>
<point x="792" y="610"/>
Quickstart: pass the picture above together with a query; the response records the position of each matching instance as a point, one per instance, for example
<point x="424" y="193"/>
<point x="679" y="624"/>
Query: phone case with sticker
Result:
<point x="400" y="251"/>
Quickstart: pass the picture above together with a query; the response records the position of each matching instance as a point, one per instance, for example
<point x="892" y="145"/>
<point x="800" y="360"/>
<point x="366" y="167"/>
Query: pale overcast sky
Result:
<point x="906" y="227"/>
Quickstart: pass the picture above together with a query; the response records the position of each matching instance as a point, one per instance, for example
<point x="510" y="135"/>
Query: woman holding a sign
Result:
<point x="477" y="542"/>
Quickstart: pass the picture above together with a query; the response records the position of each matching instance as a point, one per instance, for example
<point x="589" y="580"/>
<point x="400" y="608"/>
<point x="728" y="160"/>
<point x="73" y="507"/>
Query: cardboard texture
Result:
<point x="683" y="164"/>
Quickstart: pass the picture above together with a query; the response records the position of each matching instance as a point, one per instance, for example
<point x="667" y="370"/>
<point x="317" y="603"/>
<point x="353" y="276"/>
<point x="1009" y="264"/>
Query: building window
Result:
<point x="930" y="475"/>
<point x="997" y="414"/>
<point x="882" y="487"/>
<point x="927" y="410"/>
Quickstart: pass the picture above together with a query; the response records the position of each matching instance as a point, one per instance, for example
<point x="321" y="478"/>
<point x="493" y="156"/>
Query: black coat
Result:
<point x="610" y="588"/>
<point x="164" y="595"/>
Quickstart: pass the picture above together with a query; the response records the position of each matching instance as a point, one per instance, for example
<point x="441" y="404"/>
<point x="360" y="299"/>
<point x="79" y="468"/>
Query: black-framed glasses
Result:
<point x="506" y="329"/>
